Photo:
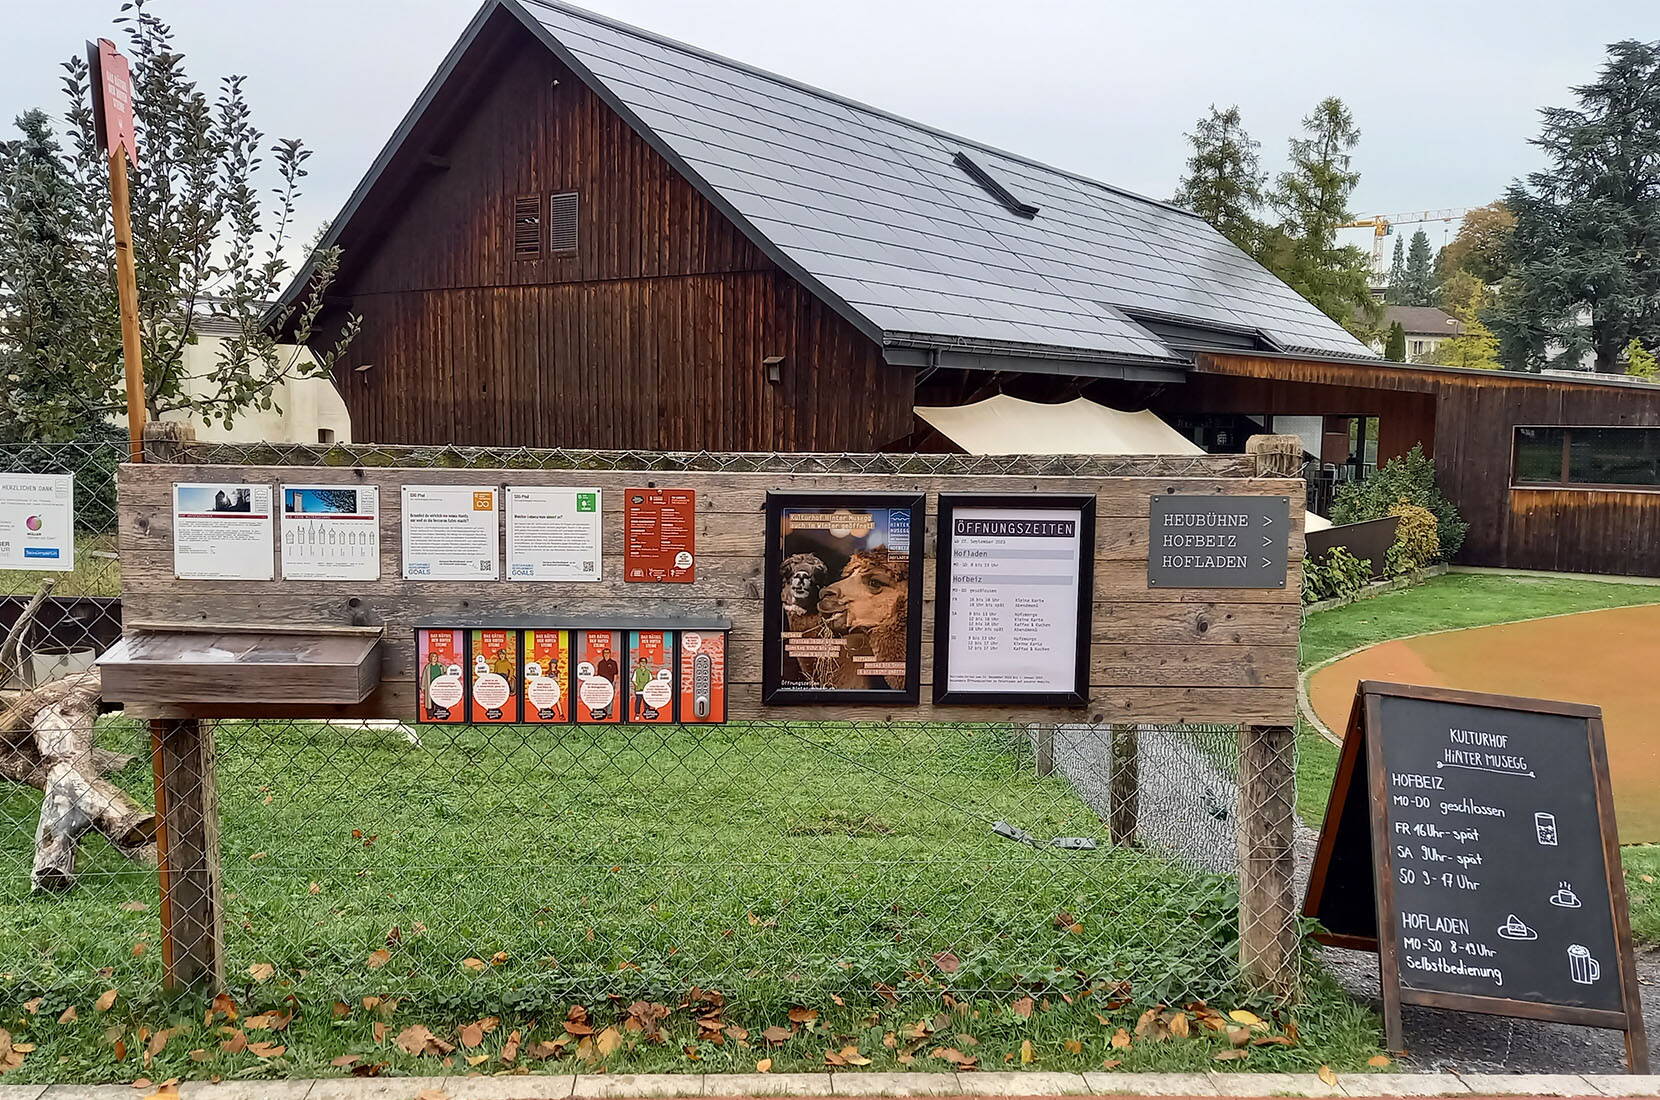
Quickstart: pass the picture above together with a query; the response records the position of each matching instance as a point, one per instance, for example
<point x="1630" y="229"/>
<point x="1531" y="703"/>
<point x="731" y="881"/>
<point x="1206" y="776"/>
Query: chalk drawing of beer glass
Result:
<point x="1581" y="966"/>
<point x="1544" y="826"/>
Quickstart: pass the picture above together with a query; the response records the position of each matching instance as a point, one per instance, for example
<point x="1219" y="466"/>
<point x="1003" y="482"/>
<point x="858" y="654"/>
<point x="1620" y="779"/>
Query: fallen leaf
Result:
<point x="236" y="1044"/>
<point x="475" y="964"/>
<point x="1073" y="1046"/>
<point x="262" y="972"/>
<point x="1239" y="1036"/>
<point x="69" y="1015"/>
<point x="418" y="1039"/>
<point x="948" y="962"/>
<point x="1378" y="1061"/>
<point x="341" y="1010"/>
<point x="1112" y="1063"/>
<point x="608" y="1042"/>
<point x="378" y="959"/>
<point x="1249" y="1019"/>
<point x="955" y="1057"/>
<point x="470" y="1036"/>
<point x="1027" y="1054"/>
<point x="477" y="1059"/>
<point x="1023" y="1007"/>
<point x="1230" y="1055"/>
<point x="314" y="888"/>
<point x="1121" y="1039"/>
<point x="803" y="1015"/>
<point x="1178" y="1025"/>
<point x="1328" y="1076"/>
<point x="200" y="1054"/>
<point x="106" y="1000"/>
<point x="345" y="1060"/>
<point x="266" y="1050"/>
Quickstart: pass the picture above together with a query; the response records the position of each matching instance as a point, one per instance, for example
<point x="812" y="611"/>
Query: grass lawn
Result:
<point x="1451" y="602"/>
<point x="848" y="873"/>
<point x="96" y="572"/>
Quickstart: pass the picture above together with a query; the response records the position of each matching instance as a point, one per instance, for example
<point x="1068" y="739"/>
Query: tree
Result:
<point x="1312" y="197"/>
<point x="1457" y="287"/>
<point x="1641" y="362"/>
<point x="1585" y="255"/>
<point x="1474" y="345"/>
<point x="1480" y="246"/>
<point x="1224" y="179"/>
<point x="204" y="241"/>
<point x="1395" y="288"/>
<point x="1394" y="348"/>
<point x="1419" y="286"/>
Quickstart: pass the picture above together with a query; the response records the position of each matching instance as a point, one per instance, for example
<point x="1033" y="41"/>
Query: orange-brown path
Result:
<point x="1610" y="658"/>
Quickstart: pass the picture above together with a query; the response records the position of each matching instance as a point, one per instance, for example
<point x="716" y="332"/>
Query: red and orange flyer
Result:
<point x="547" y="669"/>
<point x="495" y="676"/>
<point x="440" y="657"/>
<point x="702" y="687"/>
<point x="651" y="676"/>
<point x="597" y="687"/>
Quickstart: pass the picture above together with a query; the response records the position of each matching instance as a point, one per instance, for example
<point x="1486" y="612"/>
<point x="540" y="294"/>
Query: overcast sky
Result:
<point x="1445" y="93"/>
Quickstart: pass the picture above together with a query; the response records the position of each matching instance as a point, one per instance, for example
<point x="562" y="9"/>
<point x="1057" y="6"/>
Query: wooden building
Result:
<point x="585" y="235"/>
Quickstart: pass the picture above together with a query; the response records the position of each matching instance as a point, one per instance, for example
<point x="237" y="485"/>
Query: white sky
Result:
<point x="1445" y="93"/>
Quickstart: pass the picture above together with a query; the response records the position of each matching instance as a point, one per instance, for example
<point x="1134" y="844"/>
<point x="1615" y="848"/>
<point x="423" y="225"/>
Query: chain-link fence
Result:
<point x="498" y="869"/>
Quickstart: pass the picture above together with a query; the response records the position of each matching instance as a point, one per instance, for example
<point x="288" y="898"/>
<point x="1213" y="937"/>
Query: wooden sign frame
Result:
<point x="1363" y="734"/>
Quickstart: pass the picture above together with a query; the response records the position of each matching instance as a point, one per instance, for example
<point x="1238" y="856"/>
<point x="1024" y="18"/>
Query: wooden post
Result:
<point x="1267" y="907"/>
<point x="1277" y="455"/>
<point x="126" y="289"/>
<point x="187" y="805"/>
<point x="1043" y="749"/>
<point x="1124" y="786"/>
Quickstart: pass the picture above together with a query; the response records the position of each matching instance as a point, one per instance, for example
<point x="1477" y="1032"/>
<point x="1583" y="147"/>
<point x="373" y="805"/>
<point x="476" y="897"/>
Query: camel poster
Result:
<point x="844" y="597"/>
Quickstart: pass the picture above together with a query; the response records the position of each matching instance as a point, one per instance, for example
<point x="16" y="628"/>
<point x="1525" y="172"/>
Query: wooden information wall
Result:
<point x="1226" y="655"/>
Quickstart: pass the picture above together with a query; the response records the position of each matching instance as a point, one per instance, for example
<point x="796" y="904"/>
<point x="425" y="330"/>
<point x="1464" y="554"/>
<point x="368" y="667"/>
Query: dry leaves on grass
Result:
<point x="955" y="1057"/>
<point x="262" y="972"/>
<point x="764" y="1066"/>
<point x="378" y="959"/>
<point x="1328" y="1076"/>
<point x="846" y="1056"/>
<point x="106" y="1000"/>
<point x="1378" y="1061"/>
<point x="418" y="1040"/>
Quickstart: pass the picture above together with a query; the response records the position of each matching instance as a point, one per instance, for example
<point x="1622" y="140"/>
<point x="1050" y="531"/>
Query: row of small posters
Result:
<point x="486" y="675"/>
<point x="449" y="533"/>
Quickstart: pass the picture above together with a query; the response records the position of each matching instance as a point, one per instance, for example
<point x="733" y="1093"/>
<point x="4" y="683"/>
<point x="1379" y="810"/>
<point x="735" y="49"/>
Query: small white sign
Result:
<point x="451" y="533"/>
<point x="553" y="534"/>
<point x="330" y="533"/>
<point x="223" y="532"/>
<point x="37" y="522"/>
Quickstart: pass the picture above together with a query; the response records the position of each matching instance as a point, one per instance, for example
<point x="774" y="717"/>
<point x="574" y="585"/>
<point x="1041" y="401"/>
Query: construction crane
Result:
<point x="1382" y="225"/>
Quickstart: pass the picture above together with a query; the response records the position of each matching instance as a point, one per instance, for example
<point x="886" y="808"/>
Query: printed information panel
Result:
<point x="1496" y="854"/>
<point x="1218" y="541"/>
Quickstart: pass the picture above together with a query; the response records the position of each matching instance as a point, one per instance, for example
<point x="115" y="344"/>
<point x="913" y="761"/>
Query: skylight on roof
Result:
<point x="997" y="191"/>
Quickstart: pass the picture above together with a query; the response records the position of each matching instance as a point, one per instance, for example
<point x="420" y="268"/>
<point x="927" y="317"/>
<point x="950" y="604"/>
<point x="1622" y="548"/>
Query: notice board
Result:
<point x="1470" y="841"/>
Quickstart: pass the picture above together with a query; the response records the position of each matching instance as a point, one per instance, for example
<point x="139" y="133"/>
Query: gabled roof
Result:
<point x="922" y="239"/>
<point x="1421" y="321"/>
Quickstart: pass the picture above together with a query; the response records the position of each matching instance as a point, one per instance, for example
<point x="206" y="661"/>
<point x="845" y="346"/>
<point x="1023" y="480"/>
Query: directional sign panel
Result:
<point x="1218" y="541"/>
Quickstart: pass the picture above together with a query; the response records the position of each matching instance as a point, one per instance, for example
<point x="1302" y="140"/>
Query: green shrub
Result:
<point x="1334" y="574"/>
<point x="1409" y="478"/>
<point x="1417" y="539"/>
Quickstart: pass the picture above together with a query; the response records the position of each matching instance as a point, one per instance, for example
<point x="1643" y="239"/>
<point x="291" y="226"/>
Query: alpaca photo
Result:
<point x="844" y="599"/>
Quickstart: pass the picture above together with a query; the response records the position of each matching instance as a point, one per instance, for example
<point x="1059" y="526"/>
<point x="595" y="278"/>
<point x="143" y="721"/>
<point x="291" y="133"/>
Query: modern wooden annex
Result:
<point x="586" y="235"/>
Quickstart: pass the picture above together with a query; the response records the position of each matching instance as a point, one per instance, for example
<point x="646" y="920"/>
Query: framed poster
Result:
<point x="843" y="598"/>
<point x="1015" y="586"/>
<point x="37" y="522"/>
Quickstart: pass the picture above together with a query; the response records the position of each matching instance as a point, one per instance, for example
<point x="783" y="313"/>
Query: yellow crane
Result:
<point x="1382" y="225"/>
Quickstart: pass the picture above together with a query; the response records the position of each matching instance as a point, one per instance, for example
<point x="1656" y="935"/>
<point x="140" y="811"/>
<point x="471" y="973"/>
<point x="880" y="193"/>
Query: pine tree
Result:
<point x="1641" y="362"/>
<point x="1396" y="287"/>
<point x="1419" y="287"/>
<point x="1312" y="198"/>
<point x="1394" y="348"/>
<point x="1475" y="345"/>
<point x="1585" y="254"/>
<point x="1224" y="179"/>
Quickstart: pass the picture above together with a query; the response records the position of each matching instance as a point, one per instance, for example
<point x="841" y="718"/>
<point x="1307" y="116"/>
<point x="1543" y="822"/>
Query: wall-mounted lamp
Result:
<point x="775" y="368"/>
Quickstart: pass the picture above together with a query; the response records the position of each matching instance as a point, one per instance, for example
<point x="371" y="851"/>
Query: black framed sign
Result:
<point x="843" y="620"/>
<point x="1015" y="587"/>
<point x="1470" y="841"/>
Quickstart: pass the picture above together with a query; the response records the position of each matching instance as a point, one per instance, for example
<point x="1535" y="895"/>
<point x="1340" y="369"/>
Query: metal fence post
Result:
<point x="187" y="842"/>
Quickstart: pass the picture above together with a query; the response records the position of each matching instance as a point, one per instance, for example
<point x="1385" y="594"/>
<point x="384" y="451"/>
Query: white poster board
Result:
<point x="553" y="533"/>
<point x="222" y="531"/>
<point x="1013" y="604"/>
<point x="330" y="533"/>
<point x="37" y="522"/>
<point x="451" y="533"/>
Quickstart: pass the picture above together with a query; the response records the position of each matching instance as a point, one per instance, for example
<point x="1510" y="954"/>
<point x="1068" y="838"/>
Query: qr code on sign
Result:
<point x="588" y="567"/>
<point x="485" y="564"/>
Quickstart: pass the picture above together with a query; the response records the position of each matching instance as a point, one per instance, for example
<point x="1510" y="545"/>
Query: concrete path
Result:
<point x="1034" y="1084"/>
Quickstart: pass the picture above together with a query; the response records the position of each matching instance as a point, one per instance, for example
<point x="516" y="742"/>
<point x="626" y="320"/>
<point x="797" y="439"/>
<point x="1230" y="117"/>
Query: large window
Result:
<point x="1619" y="457"/>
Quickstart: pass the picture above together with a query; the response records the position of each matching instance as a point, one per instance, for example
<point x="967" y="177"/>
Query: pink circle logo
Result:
<point x="34" y="523"/>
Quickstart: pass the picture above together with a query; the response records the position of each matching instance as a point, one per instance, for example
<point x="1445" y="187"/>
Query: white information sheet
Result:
<point x="451" y="533"/>
<point x="330" y="533"/>
<point x="552" y="534"/>
<point x="1014" y="600"/>
<point x="223" y="532"/>
<point x="37" y="522"/>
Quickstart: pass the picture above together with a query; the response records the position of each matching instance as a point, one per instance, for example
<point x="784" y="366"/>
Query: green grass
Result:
<point x="95" y="573"/>
<point x="520" y="870"/>
<point x="1450" y="602"/>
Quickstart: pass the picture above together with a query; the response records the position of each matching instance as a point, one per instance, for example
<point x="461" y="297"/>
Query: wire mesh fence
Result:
<point x="493" y="869"/>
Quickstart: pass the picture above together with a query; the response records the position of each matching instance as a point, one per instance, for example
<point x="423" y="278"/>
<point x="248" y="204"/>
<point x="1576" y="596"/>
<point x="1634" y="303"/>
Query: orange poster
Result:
<point x="651" y="676"/>
<point x="547" y="669"/>
<point x="702" y="677"/>
<point x="597" y="686"/>
<point x="495" y="692"/>
<point x="440" y="658"/>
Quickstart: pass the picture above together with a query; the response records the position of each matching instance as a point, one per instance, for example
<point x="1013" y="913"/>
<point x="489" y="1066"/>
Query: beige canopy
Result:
<point x="1004" y="425"/>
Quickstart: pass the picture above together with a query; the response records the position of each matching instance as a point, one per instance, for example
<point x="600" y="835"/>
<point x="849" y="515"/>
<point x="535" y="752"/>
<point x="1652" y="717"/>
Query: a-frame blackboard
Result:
<point x="1470" y="842"/>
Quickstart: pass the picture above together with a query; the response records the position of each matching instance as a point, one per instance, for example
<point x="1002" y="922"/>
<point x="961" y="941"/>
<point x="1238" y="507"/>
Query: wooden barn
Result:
<point x="586" y="235"/>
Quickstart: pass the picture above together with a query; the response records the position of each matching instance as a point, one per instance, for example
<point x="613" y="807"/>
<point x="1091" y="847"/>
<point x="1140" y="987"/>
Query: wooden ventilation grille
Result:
<point x="527" y="227"/>
<point x="562" y="211"/>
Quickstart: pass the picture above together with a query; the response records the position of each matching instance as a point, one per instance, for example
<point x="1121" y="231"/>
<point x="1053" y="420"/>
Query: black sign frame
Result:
<point x="774" y="691"/>
<point x="1359" y="800"/>
<point x="1078" y="694"/>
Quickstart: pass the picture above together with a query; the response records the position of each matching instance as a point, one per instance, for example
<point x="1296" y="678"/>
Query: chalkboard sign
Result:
<point x="1470" y="841"/>
<point x="1217" y="541"/>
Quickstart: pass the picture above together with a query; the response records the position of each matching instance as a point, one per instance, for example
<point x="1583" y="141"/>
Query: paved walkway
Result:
<point x="1035" y="1084"/>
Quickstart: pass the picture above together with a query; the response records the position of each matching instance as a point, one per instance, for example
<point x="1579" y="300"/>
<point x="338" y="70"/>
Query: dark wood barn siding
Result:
<point x="650" y="336"/>
<point x="1471" y="434"/>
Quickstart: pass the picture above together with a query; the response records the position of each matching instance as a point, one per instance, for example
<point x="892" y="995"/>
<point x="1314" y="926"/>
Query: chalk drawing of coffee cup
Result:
<point x="1565" y="898"/>
<point x="1516" y="929"/>
<point x="1581" y="966"/>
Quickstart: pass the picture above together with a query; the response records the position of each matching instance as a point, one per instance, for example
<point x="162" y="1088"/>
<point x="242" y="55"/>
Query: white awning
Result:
<point x="1005" y="425"/>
